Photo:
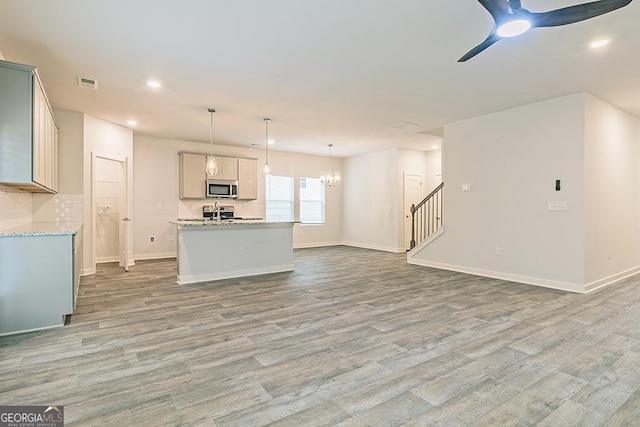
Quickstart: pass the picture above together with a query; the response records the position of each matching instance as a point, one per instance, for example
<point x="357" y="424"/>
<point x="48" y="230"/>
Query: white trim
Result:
<point x="105" y="259"/>
<point x="564" y="286"/>
<point x="185" y="280"/>
<point x="590" y="287"/>
<point x="155" y="256"/>
<point x="88" y="271"/>
<point x="396" y="250"/>
<point x="425" y="242"/>
<point x="316" y="245"/>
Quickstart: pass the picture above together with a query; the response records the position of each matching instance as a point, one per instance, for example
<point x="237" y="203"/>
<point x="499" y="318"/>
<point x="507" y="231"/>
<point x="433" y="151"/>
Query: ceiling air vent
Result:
<point x="403" y="126"/>
<point x="87" y="83"/>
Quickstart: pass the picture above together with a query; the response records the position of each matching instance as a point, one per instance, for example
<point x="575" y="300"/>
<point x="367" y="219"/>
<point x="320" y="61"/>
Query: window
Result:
<point x="311" y="201"/>
<point x="279" y="197"/>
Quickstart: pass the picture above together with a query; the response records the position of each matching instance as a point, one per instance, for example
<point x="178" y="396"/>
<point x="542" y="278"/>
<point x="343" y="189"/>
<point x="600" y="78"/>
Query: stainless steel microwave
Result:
<point x="220" y="189"/>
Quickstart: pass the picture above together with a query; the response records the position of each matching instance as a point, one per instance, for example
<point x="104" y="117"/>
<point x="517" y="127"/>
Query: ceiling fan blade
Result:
<point x="515" y="4"/>
<point x="577" y="13"/>
<point x="493" y="37"/>
<point x="497" y="8"/>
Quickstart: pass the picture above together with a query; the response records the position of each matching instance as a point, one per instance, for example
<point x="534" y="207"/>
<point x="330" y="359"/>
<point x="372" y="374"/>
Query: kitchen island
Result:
<point x="222" y="249"/>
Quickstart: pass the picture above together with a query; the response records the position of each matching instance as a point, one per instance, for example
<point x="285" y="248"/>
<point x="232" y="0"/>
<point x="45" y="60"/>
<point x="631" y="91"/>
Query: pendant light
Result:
<point x="212" y="167"/>
<point x="267" y="170"/>
<point x="331" y="177"/>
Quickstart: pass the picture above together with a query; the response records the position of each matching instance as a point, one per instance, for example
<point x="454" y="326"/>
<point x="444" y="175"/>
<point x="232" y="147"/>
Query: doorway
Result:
<point x="412" y="195"/>
<point x="111" y="221"/>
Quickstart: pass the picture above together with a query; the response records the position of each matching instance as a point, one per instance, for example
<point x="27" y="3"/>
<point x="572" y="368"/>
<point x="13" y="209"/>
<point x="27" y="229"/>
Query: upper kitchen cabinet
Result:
<point x="192" y="175"/>
<point x="247" y="179"/>
<point x="28" y="132"/>
<point x="227" y="168"/>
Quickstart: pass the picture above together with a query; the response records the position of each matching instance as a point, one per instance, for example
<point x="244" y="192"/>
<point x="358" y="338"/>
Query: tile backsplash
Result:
<point x="15" y="207"/>
<point x="19" y="207"/>
<point x="57" y="208"/>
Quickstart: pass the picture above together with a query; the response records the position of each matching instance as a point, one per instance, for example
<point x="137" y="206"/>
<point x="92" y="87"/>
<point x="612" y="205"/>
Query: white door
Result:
<point x="110" y="199"/>
<point x="125" y="223"/>
<point x="413" y="194"/>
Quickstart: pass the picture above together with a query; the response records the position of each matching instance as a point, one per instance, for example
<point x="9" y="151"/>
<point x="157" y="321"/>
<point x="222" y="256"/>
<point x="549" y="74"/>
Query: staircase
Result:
<point x="426" y="217"/>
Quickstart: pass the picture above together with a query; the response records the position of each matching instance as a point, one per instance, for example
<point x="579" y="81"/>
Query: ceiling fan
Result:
<point x="512" y="20"/>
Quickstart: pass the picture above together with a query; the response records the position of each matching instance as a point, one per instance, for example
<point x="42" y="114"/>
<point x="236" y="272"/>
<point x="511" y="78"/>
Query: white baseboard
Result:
<point x="375" y="247"/>
<point x="154" y="256"/>
<point x="590" y="287"/>
<point x="87" y="271"/>
<point x="564" y="286"/>
<point x="106" y="259"/>
<point x="315" y="245"/>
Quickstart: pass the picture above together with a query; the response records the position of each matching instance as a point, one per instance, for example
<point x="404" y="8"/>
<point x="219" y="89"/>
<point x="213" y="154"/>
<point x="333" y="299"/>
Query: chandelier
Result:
<point x="331" y="177"/>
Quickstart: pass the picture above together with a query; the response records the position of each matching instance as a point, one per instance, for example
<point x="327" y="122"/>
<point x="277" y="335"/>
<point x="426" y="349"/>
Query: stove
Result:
<point x="226" y="212"/>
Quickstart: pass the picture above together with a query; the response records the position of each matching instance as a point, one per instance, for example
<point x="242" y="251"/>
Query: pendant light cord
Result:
<point x="266" y="138"/>
<point x="211" y="110"/>
<point x="267" y="170"/>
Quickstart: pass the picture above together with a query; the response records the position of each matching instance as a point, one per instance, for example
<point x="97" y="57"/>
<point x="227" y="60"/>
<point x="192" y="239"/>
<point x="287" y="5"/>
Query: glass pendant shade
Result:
<point x="211" y="168"/>
<point x="266" y="170"/>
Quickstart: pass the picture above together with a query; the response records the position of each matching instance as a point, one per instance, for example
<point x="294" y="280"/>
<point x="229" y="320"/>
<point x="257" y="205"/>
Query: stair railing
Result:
<point x="426" y="216"/>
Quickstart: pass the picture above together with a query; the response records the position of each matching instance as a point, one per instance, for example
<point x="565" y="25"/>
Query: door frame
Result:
<point x="405" y="227"/>
<point x="123" y="241"/>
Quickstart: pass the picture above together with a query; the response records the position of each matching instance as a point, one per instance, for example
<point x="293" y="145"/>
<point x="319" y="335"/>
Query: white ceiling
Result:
<point x="325" y="71"/>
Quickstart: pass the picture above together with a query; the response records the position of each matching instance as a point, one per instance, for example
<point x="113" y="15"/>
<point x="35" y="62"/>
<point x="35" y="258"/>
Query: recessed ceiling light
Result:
<point x="434" y="147"/>
<point x="132" y="122"/>
<point x="271" y="142"/>
<point x="599" y="43"/>
<point x="154" y="84"/>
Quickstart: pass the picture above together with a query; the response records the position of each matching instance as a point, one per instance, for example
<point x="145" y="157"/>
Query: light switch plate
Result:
<point x="557" y="206"/>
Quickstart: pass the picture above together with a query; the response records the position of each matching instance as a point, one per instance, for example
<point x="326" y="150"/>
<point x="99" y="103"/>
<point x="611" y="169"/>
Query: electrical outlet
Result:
<point x="609" y="254"/>
<point x="241" y="250"/>
<point x="497" y="251"/>
<point x="557" y="206"/>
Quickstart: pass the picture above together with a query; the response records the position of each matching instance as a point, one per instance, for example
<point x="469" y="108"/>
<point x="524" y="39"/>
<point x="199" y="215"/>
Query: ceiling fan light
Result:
<point x="599" y="43"/>
<point x="513" y="28"/>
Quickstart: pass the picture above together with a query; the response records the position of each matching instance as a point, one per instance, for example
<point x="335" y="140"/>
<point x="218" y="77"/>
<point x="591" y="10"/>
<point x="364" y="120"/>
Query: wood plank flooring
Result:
<point x="352" y="337"/>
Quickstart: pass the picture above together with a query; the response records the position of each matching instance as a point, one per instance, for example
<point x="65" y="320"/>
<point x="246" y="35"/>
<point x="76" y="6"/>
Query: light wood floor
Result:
<point x="352" y="337"/>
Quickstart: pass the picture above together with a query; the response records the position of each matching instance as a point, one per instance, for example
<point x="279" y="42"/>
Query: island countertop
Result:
<point x="227" y="222"/>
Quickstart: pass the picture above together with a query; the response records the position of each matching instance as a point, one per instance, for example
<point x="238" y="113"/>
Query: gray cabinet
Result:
<point x="39" y="279"/>
<point x="227" y="168"/>
<point x="192" y="176"/>
<point x="28" y="132"/>
<point x="247" y="179"/>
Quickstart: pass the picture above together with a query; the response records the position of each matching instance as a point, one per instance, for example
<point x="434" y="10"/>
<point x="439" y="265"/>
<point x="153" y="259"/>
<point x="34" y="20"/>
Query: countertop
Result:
<point x="42" y="229"/>
<point x="223" y="223"/>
